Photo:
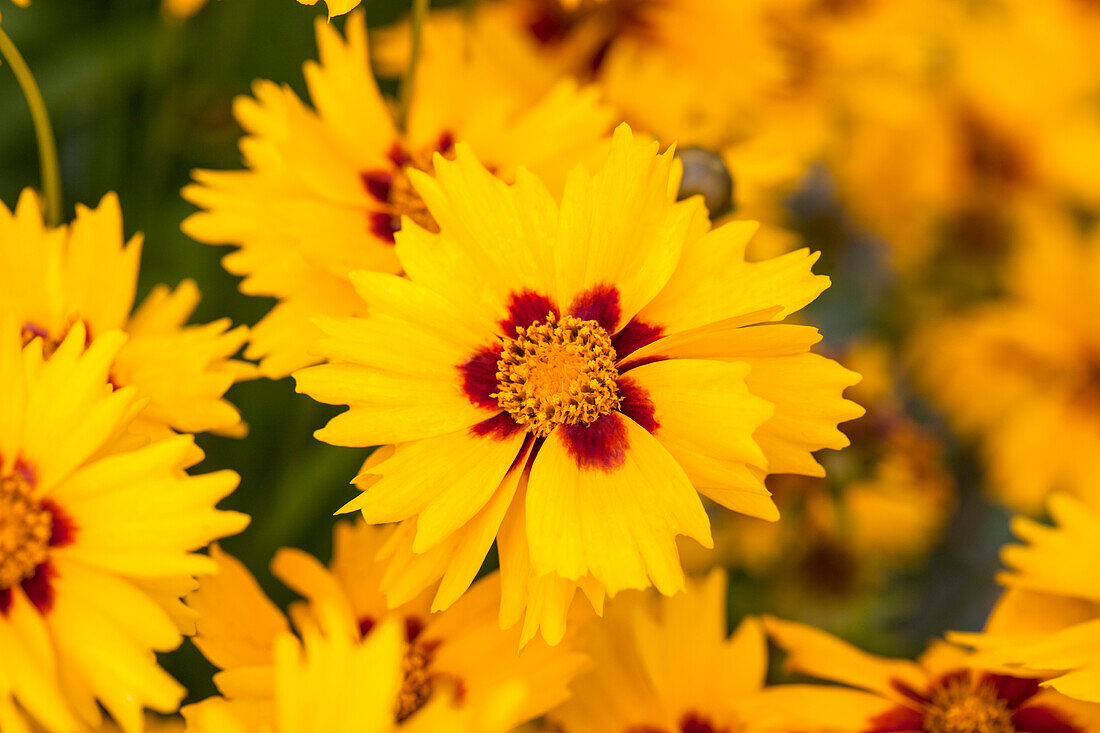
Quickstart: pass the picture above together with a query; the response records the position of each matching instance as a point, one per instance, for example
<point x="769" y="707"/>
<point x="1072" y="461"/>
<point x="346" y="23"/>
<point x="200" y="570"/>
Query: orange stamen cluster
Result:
<point x="25" y="530"/>
<point x="959" y="707"/>
<point x="558" y="372"/>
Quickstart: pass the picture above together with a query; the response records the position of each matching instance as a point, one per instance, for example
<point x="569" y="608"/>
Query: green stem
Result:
<point x="47" y="144"/>
<point x="416" y="29"/>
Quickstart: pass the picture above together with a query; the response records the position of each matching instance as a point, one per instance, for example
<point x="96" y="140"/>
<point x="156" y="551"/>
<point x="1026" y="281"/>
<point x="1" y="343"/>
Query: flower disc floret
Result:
<point x="959" y="707"/>
<point x="558" y="372"/>
<point x="25" y="530"/>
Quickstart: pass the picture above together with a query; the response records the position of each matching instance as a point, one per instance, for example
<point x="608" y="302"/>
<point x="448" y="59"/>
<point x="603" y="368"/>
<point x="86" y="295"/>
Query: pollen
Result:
<point x="959" y="707"/>
<point x="416" y="683"/>
<point x="25" y="529"/>
<point x="558" y="372"/>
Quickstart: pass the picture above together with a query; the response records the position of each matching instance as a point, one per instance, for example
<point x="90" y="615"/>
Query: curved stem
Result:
<point x="47" y="144"/>
<point x="416" y="30"/>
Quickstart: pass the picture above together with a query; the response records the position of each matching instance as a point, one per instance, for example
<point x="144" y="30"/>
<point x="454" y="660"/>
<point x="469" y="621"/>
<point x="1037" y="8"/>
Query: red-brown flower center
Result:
<point x="557" y="372"/>
<point x="26" y="527"/>
<point x="416" y="682"/>
<point x="394" y="190"/>
<point x="959" y="707"/>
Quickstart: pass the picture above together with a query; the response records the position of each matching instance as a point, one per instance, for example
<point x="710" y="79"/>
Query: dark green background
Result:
<point x="138" y="102"/>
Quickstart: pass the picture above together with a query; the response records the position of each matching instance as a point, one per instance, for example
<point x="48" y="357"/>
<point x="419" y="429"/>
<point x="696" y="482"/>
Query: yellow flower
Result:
<point x="52" y="279"/>
<point x="667" y="665"/>
<point x="1048" y="621"/>
<point x="944" y="691"/>
<point x="335" y="7"/>
<point x="1022" y="374"/>
<point x="326" y="189"/>
<point x="462" y="648"/>
<point x="95" y="539"/>
<point x="329" y="682"/>
<point x="568" y="376"/>
<point x="692" y="72"/>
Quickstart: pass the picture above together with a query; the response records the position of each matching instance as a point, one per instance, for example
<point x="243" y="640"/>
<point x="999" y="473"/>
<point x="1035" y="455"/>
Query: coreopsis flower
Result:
<point x="1022" y="374"/>
<point x="668" y="665"/>
<point x="96" y="539"/>
<point x="942" y="692"/>
<point x="54" y="278"/>
<point x="460" y="649"/>
<point x="686" y="71"/>
<point x="329" y="682"/>
<point x="326" y="189"/>
<point x="568" y="376"/>
<point x="1048" y="621"/>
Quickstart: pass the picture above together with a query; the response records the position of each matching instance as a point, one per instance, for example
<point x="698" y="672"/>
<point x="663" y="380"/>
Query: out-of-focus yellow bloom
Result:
<point x="1022" y="374"/>
<point x="1048" y="621"/>
<point x="691" y="72"/>
<point x="882" y="507"/>
<point x="461" y="649"/>
<point x="944" y="691"/>
<point x="54" y="278"/>
<point x="326" y="189"/>
<point x="667" y="664"/>
<point x="182" y="9"/>
<point x="331" y="681"/>
<point x="544" y="357"/>
<point x="998" y="112"/>
<point x="96" y="539"/>
<point x="335" y="7"/>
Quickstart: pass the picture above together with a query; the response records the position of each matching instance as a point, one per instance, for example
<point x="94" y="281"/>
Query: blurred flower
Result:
<point x="95" y="539"/>
<point x="327" y="189"/>
<point x="942" y="692"/>
<point x="568" y="376"/>
<point x="335" y="7"/>
<point x="881" y="508"/>
<point x="329" y="682"/>
<point x="461" y="649"/>
<point x="1022" y="374"/>
<point x="666" y="665"/>
<point x="85" y="273"/>
<point x="995" y="110"/>
<point x="1048" y="622"/>
<point x="182" y="9"/>
<point x="691" y="72"/>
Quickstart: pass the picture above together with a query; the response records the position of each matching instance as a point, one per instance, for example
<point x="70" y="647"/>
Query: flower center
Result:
<point x="559" y="372"/>
<point x="404" y="200"/>
<point x="25" y="530"/>
<point x="416" y="685"/>
<point x="960" y="708"/>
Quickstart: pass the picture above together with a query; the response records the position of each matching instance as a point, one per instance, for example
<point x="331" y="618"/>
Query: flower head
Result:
<point x="326" y="188"/>
<point x="328" y="682"/>
<point x="668" y="665"/>
<point x="52" y="279"/>
<point x="943" y="692"/>
<point x="457" y="664"/>
<point x="96" y="539"/>
<point x="1048" y="620"/>
<point x="567" y="376"/>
